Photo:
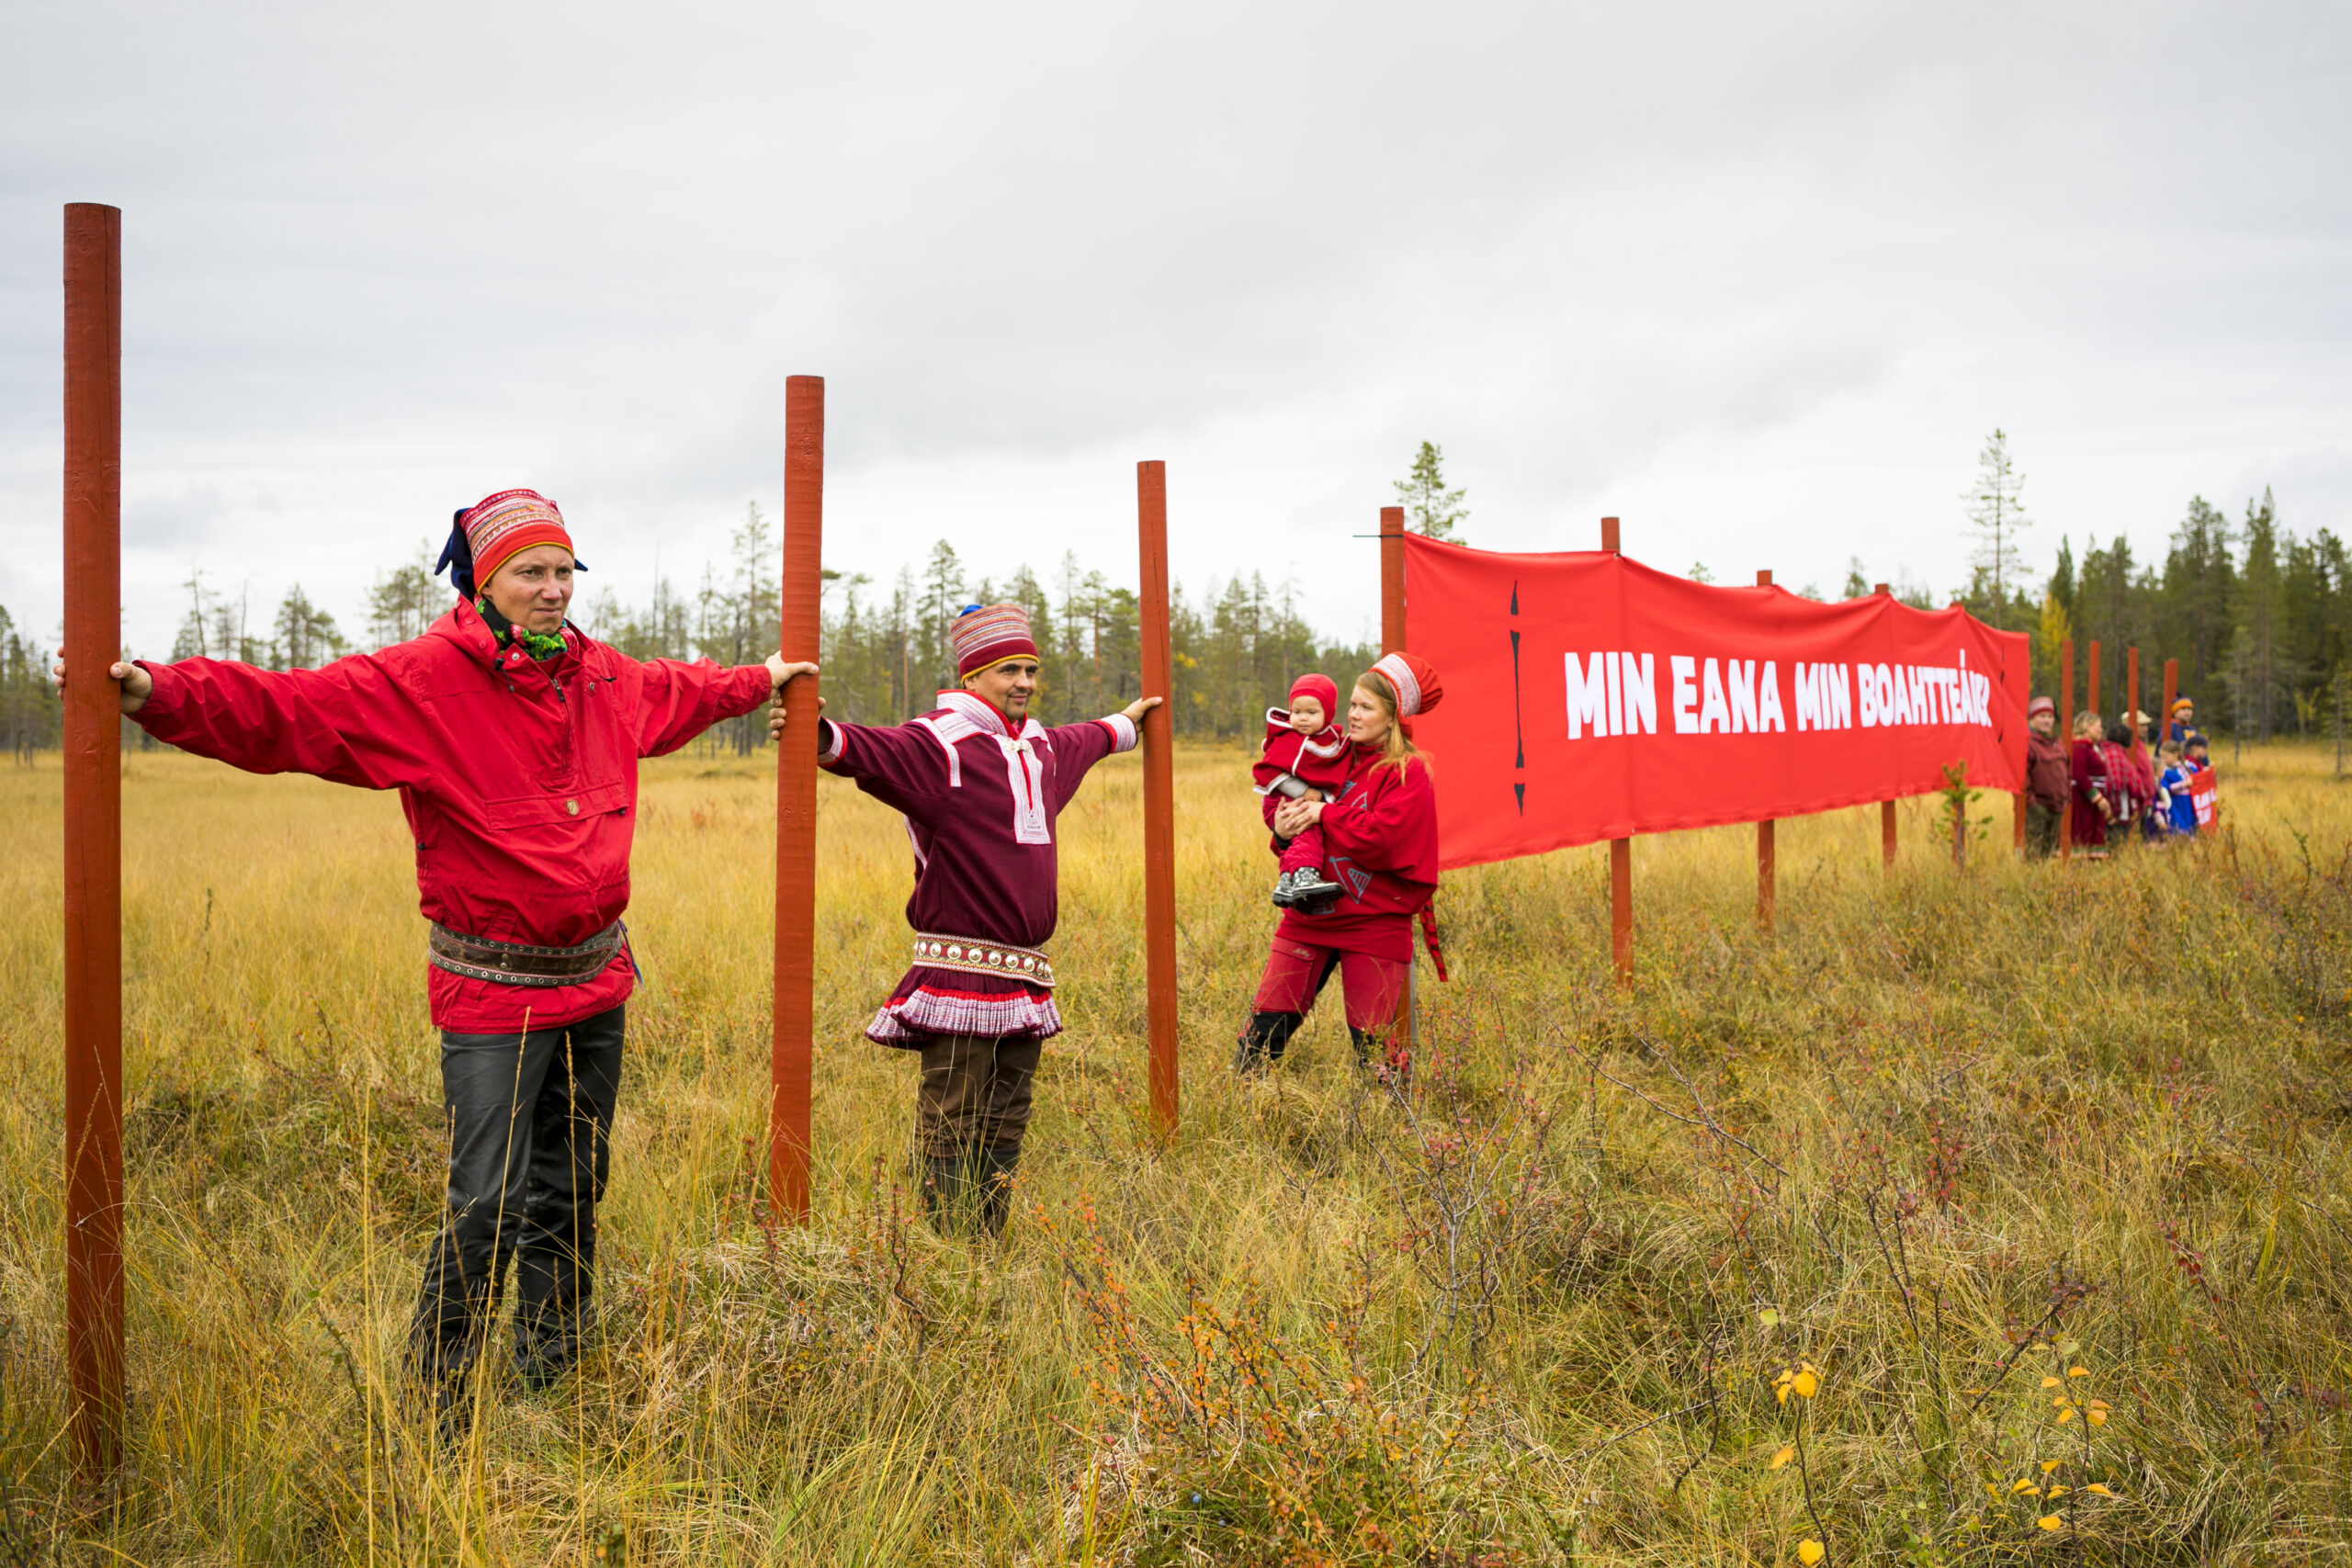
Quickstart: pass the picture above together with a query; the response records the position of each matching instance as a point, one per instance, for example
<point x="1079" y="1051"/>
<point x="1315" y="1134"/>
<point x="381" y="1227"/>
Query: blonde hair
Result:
<point x="1398" y="749"/>
<point x="2087" y="726"/>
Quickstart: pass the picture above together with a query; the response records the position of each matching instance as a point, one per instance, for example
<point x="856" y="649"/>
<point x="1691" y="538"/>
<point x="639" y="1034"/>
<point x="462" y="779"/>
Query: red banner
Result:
<point x="1588" y="697"/>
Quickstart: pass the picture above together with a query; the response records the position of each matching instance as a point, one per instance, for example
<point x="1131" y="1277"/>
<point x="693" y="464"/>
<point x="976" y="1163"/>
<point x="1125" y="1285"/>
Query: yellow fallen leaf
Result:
<point x="2066" y="1415"/>
<point x="2099" y="1487"/>
<point x="2057" y="1491"/>
<point x="1784" y="1392"/>
<point x="2048" y="1465"/>
<point x="2051" y="1522"/>
<point x="1810" y="1552"/>
<point x="1787" y="1451"/>
<point x="2079" y="1371"/>
<point x="2050" y="1382"/>
<point x="2025" y="1487"/>
<point x="1808" y="1384"/>
<point x="2098" y="1417"/>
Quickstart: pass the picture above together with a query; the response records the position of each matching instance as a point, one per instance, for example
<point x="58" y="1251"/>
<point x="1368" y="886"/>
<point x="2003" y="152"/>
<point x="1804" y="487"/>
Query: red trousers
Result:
<point x="1296" y="973"/>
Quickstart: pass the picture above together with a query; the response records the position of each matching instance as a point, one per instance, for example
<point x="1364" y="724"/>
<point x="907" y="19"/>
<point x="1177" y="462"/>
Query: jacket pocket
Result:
<point x="541" y="810"/>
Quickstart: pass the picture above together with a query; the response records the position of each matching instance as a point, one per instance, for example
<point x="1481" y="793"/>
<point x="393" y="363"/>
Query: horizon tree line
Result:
<point x="2260" y="620"/>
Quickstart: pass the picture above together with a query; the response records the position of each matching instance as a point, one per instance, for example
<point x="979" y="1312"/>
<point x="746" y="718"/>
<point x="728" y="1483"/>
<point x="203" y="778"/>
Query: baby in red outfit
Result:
<point x="1306" y="753"/>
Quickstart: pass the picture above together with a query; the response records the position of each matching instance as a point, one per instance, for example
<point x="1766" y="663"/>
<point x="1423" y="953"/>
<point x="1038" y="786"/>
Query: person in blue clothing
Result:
<point x="2181" y="723"/>
<point x="2171" y="788"/>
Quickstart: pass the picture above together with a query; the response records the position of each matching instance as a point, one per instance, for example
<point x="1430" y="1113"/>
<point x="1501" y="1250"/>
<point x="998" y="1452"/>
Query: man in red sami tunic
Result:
<point x="513" y="737"/>
<point x="980" y="783"/>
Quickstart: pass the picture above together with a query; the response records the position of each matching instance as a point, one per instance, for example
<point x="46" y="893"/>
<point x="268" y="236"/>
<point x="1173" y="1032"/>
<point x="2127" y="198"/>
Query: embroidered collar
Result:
<point x="978" y="711"/>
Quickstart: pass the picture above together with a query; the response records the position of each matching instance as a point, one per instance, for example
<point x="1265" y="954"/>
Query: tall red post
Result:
<point x="1886" y="808"/>
<point x="2172" y="695"/>
<point x="93" y="742"/>
<point x="1767" y="891"/>
<point x="1621" y="851"/>
<point x="1159" y="796"/>
<point x="792" y="1041"/>
<point x="2131" y="690"/>
<point x="1392" y="580"/>
<point x="1392" y="640"/>
<point x="2066" y="740"/>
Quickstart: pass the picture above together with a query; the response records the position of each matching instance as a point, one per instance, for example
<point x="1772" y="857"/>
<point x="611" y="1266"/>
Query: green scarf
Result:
<point x="539" y="645"/>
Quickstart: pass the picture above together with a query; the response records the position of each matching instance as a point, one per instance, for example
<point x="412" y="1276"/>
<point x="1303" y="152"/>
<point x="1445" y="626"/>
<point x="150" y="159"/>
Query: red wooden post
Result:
<point x="1159" y="796"/>
<point x="1886" y="808"/>
<point x="1621" y="854"/>
<point x="1767" y="881"/>
<point x="2132" y="682"/>
<point x="93" y="742"/>
<point x="1392" y="580"/>
<point x="1392" y="640"/>
<point x="796" y="804"/>
<point x="2067" y="739"/>
<point x="2172" y="695"/>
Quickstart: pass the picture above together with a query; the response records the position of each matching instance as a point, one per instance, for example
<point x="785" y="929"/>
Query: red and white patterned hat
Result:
<point x="500" y="526"/>
<point x="1412" y="678"/>
<point x="987" y="634"/>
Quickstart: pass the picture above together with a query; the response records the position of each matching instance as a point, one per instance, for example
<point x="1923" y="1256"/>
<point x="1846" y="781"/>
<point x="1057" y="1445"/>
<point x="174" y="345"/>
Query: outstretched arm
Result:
<point x="679" y="701"/>
<point x="342" y="722"/>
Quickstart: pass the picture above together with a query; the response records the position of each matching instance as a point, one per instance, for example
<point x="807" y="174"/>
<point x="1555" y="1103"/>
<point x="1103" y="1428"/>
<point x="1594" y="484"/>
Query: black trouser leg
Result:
<point x="1264" y="1040"/>
<point x="502" y="1094"/>
<point x="555" y="1255"/>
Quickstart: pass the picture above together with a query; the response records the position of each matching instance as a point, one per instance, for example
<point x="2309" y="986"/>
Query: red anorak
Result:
<point x="1380" y="846"/>
<point x="981" y="798"/>
<point x="2045" y="771"/>
<point x="519" y="779"/>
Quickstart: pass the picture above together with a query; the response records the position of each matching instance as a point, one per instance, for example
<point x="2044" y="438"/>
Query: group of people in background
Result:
<point x="2116" y="782"/>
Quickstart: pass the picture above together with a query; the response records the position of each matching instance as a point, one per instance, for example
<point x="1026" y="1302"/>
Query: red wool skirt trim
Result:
<point x="945" y="1001"/>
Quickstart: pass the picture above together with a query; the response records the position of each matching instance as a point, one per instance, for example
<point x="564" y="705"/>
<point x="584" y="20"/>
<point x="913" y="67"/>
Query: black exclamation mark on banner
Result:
<point x="1519" y="728"/>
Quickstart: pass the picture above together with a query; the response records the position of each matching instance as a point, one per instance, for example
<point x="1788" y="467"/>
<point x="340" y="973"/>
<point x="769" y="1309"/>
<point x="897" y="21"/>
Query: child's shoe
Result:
<point x="1284" y="898"/>
<point x="1310" y="890"/>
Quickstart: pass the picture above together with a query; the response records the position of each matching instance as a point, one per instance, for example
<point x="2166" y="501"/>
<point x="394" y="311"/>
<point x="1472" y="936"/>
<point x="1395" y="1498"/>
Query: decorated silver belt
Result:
<point x="933" y="951"/>
<point x="519" y="964"/>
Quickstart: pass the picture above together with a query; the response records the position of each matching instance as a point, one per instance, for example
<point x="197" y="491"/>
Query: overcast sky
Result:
<point x="1759" y="279"/>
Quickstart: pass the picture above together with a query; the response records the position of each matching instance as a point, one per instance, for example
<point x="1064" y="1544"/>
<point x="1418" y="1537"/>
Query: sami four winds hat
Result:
<point x="495" y="530"/>
<point x="985" y="635"/>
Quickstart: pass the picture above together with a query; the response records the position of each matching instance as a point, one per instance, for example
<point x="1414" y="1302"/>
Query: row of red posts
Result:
<point x="93" y="813"/>
<point x="93" y="821"/>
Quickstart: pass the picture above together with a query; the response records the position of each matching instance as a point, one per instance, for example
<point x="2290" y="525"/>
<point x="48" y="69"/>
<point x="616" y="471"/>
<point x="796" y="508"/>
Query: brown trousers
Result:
<point x="974" y="1094"/>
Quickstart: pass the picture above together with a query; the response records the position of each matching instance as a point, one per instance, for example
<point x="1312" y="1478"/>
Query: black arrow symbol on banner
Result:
<point x="1517" y="723"/>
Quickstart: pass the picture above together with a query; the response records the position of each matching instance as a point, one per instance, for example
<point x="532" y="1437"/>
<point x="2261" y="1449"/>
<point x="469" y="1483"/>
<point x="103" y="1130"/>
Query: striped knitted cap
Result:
<point x="1413" y="679"/>
<point x="500" y="526"/>
<point x="987" y="634"/>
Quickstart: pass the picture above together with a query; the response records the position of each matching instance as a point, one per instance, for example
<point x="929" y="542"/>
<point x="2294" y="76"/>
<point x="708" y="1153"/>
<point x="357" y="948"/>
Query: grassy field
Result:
<point x="1997" y="1215"/>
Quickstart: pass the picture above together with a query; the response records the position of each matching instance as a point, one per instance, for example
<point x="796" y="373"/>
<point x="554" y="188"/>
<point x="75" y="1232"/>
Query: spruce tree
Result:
<point x="1430" y="507"/>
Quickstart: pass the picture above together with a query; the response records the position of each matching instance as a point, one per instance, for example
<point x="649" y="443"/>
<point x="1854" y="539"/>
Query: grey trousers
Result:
<point x="530" y="1119"/>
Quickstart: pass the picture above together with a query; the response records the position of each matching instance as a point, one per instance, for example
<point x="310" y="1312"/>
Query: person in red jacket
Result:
<point x="2046" y="782"/>
<point x="1380" y="846"/>
<point x="513" y="737"/>
<point x="980" y="783"/>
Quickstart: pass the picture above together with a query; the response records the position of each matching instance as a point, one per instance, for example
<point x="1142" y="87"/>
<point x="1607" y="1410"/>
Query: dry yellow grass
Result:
<point x="1533" y="1316"/>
